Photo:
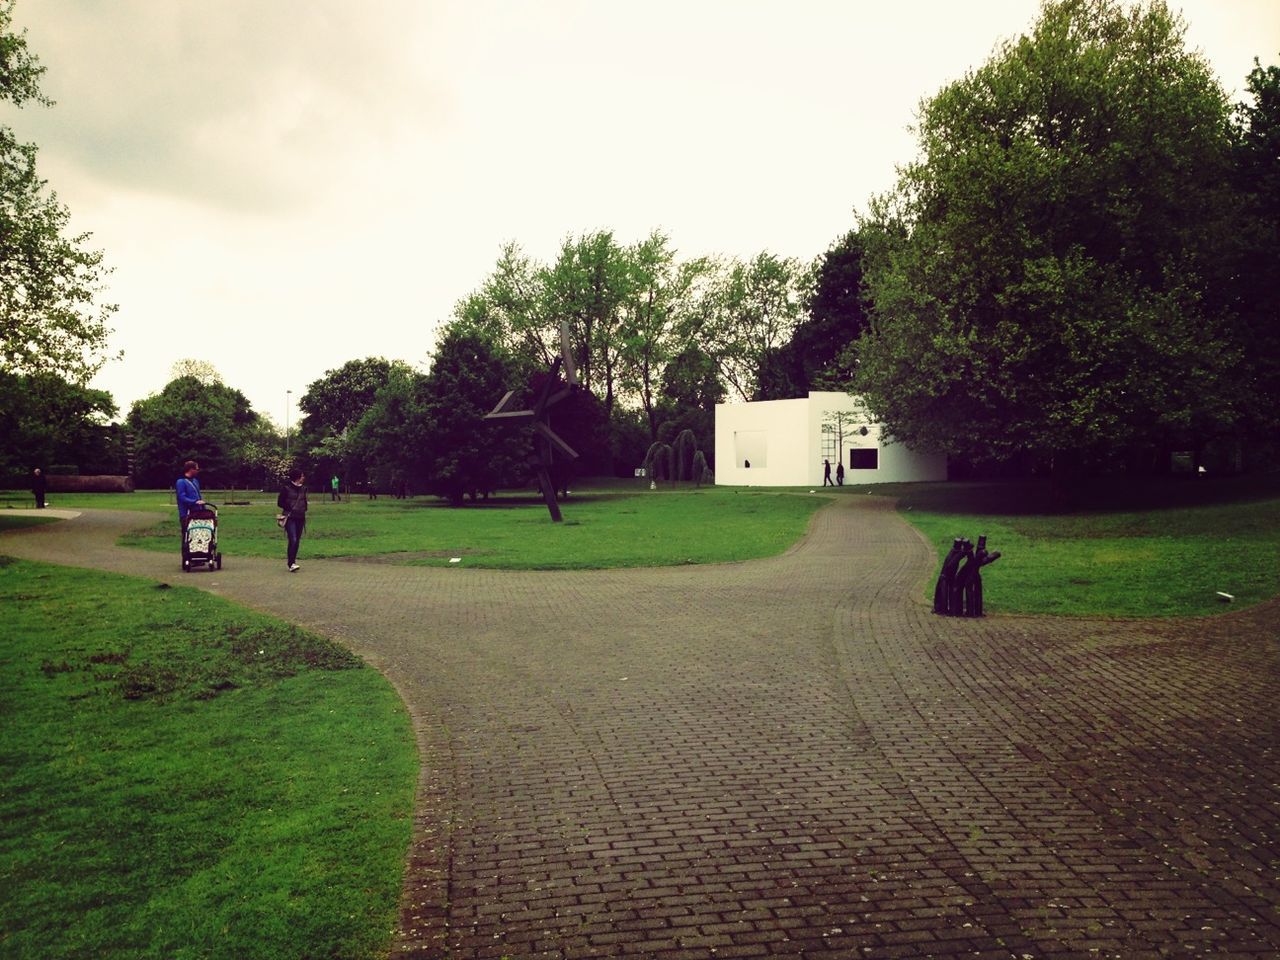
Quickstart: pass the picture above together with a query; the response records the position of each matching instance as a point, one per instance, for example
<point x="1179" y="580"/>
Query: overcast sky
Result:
<point x="285" y="185"/>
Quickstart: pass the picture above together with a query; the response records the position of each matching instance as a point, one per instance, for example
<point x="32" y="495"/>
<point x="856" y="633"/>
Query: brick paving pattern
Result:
<point x="794" y="758"/>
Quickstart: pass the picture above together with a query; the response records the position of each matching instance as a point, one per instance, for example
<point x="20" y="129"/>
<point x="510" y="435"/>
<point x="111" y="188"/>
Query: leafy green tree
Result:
<point x="750" y="310"/>
<point x="45" y="420"/>
<point x="332" y="406"/>
<point x="210" y="423"/>
<point x="51" y="319"/>
<point x="508" y="311"/>
<point x="463" y="454"/>
<point x="1256" y="288"/>
<point x="656" y="316"/>
<point x="691" y="388"/>
<point x="1041" y="275"/>
<point x="586" y="287"/>
<point x="392" y="438"/>
<point x="815" y="356"/>
<point x="337" y="400"/>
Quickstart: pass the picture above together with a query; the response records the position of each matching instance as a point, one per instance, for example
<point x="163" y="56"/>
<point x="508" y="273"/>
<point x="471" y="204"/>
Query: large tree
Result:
<point x="1256" y="290"/>
<point x="751" y="309"/>
<point x="463" y="454"/>
<point x="585" y="288"/>
<point x="814" y="357"/>
<point x="662" y="294"/>
<point x="332" y="406"/>
<point x="51" y="318"/>
<point x="212" y="423"/>
<point x="1041" y="277"/>
<point x="46" y="421"/>
<point x="391" y="438"/>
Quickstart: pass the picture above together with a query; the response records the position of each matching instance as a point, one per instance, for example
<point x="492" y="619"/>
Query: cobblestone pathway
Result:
<point x="794" y="758"/>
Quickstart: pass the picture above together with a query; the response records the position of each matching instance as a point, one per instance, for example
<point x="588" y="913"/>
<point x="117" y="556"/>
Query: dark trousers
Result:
<point x="39" y="499"/>
<point x="293" y="530"/>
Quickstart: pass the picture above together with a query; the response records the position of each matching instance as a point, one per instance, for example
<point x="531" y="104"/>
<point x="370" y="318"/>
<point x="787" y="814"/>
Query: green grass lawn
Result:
<point x="182" y="778"/>
<point x="1151" y="549"/>
<point x="606" y="526"/>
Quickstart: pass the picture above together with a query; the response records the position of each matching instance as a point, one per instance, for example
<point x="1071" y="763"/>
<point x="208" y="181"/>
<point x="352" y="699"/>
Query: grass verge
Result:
<point x="184" y="778"/>
<point x="1108" y="558"/>
<point x="601" y="529"/>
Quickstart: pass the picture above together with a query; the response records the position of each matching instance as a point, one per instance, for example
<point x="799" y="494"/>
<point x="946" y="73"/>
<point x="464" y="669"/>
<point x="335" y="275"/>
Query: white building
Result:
<point x="782" y="443"/>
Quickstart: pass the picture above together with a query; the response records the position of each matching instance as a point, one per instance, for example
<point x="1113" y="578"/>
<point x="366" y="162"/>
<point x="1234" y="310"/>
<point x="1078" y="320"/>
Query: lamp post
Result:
<point x="288" y="402"/>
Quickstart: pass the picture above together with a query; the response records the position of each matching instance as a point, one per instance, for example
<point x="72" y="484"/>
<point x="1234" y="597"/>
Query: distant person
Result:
<point x="840" y="474"/>
<point x="373" y="489"/>
<point x="38" y="487"/>
<point x="826" y="474"/>
<point x="333" y="488"/>
<point x="189" y="495"/>
<point x="293" y="506"/>
<point x="746" y="464"/>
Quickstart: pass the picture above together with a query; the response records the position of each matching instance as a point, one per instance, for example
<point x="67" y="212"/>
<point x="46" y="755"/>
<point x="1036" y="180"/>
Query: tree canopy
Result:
<point x="207" y="422"/>
<point x="51" y="317"/>
<point x="1042" y="276"/>
<point x="814" y="357"/>
<point x="1256" y="287"/>
<point x="47" y="421"/>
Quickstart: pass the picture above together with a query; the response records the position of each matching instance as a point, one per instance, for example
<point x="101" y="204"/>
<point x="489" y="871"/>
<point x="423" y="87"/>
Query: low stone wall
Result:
<point x="98" y="484"/>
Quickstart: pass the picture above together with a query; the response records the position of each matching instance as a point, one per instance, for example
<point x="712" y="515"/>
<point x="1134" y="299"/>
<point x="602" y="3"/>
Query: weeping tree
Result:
<point x="686" y="446"/>
<point x="658" y="461"/>
<point x="701" y="472"/>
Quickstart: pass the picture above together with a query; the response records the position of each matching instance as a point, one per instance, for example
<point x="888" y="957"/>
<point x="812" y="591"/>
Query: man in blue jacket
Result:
<point x="189" y="495"/>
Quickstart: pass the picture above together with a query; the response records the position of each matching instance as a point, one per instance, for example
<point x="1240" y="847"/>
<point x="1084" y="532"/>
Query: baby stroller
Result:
<point x="200" y="539"/>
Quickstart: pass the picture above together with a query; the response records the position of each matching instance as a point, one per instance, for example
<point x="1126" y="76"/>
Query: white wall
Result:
<point x="790" y="434"/>
<point x="785" y="444"/>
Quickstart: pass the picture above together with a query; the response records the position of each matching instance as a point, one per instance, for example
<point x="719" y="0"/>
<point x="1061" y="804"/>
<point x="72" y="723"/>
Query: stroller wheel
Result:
<point x="186" y="566"/>
<point x="218" y="561"/>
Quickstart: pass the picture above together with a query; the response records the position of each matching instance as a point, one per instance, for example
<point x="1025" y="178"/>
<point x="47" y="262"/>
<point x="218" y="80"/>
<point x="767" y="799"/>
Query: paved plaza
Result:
<point x="793" y="757"/>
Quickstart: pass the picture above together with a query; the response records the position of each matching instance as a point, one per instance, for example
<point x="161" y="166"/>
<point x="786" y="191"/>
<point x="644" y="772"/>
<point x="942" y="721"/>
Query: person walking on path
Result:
<point x="38" y="487"/>
<point x="293" y="504"/>
<point x="840" y="474"/>
<point x="189" y="495"/>
<point x="333" y="488"/>
<point x="826" y="474"/>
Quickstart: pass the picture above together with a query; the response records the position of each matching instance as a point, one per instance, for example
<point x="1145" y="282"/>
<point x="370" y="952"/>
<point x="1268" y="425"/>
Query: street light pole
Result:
<point x="288" y="402"/>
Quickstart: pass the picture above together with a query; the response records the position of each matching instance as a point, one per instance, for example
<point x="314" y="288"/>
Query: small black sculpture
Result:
<point x="947" y="576"/>
<point x="545" y="439"/>
<point x="958" y="592"/>
<point x="955" y="599"/>
<point x="969" y="580"/>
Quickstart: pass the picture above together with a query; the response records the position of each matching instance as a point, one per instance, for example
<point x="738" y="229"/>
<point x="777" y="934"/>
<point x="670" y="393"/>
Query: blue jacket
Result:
<point x="188" y="494"/>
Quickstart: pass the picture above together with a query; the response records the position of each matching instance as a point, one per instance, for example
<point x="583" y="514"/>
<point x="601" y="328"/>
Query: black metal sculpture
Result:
<point x="947" y="578"/>
<point x="545" y="440"/>
<point x="955" y="598"/>
<point x="971" y="578"/>
<point x="958" y="592"/>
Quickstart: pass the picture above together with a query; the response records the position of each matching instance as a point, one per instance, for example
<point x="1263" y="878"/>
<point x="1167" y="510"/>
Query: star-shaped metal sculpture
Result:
<point x="545" y="440"/>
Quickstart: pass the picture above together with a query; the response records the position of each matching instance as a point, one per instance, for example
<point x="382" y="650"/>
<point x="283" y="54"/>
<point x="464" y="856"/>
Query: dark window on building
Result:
<point x="863" y="459"/>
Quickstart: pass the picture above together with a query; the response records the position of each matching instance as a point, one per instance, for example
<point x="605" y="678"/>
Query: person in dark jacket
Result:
<point x="38" y="487"/>
<point x="293" y="505"/>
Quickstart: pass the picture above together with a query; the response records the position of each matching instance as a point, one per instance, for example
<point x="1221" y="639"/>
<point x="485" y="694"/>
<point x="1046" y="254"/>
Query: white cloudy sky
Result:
<point x="284" y="185"/>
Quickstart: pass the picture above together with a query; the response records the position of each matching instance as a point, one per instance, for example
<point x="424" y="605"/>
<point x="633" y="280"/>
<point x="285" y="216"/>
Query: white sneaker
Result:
<point x="294" y="568"/>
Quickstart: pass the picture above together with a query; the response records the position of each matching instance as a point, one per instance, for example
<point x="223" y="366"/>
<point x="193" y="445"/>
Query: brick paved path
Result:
<point x="794" y="758"/>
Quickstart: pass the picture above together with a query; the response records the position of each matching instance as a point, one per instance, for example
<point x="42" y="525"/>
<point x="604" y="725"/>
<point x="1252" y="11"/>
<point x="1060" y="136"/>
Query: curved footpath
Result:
<point x="794" y="758"/>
